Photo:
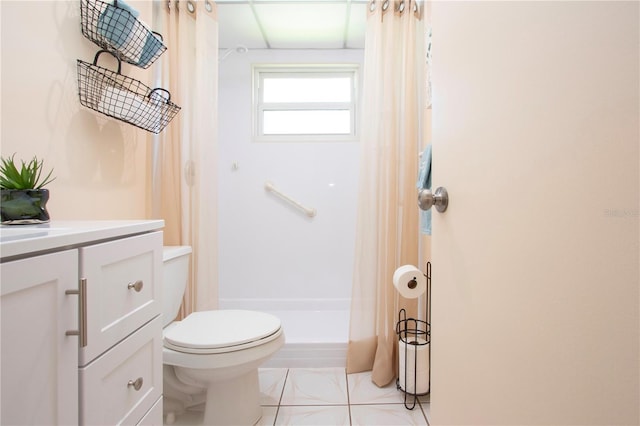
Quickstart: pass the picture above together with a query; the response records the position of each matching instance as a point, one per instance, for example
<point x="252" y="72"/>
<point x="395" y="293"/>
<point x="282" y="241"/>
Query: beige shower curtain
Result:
<point x="387" y="223"/>
<point x="189" y="143"/>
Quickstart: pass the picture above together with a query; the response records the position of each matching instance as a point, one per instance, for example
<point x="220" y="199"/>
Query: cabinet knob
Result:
<point x="137" y="286"/>
<point x="137" y="383"/>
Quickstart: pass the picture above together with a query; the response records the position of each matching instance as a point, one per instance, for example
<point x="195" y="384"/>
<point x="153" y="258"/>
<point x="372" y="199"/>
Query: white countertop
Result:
<point x="19" y="240"/>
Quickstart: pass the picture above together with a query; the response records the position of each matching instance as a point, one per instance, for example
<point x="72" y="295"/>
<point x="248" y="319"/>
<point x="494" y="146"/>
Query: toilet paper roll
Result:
<point x="415" y="365"/>
<point x="409" y="281"/>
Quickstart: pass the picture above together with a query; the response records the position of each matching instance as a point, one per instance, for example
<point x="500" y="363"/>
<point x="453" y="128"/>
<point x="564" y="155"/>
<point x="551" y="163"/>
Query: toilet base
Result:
<point x="227" y="383"/>
<point x="234" y="402"/>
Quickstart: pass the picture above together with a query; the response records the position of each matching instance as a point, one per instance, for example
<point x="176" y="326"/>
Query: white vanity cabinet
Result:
<point x="39" y="369"/>
<point x="81" y="330"/>
<point x="121" y="361"/>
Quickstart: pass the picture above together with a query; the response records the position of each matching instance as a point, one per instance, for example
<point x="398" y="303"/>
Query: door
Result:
<point x="39" y="361"/>
<point x="535" y="313"/>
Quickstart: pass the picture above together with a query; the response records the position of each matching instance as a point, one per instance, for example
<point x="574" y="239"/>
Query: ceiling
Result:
<point x="291" y="24"/>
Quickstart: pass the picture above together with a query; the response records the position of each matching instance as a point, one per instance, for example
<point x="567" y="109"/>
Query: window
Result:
<point x="305" y="103"/>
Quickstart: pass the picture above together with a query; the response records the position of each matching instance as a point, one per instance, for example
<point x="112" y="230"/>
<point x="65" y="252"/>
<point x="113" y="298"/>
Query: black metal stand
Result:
<point x="412" y="334"/>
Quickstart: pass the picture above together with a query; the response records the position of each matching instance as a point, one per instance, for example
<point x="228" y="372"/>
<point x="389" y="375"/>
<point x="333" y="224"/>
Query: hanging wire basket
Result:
<point x="114" y="26"/>
<point x="124" y="98"/>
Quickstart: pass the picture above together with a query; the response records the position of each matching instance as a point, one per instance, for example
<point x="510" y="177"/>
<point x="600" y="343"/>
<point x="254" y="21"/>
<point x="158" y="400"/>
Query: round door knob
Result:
<point x="440" y="199"/>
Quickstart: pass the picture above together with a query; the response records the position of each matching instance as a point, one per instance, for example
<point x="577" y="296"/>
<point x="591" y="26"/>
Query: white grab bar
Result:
<point x="308" y="211"/>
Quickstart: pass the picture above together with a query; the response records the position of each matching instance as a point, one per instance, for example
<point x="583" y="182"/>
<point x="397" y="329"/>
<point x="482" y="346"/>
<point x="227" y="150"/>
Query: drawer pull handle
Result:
<point x="137" y="286"/>
<point x="82" y="307"/>
<point x="137" y="383"/>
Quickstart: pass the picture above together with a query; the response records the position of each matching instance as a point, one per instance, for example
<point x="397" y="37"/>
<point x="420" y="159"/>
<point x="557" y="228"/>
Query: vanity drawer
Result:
<point x="108" y="394"/>
<point x="123" y="279"/>
<point x="154" y="417"/>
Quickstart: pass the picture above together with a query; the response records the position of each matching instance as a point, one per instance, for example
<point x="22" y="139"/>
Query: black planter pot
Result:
<point x="24" y="206"/>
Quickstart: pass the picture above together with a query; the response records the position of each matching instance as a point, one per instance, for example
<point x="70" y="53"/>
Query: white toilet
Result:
<point x="211" y="358"/>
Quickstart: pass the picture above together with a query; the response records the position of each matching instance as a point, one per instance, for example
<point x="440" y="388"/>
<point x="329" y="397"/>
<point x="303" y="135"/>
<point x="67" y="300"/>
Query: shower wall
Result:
<point x="272" y="256"/>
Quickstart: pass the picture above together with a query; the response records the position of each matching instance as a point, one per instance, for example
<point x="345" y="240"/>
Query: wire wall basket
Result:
<point x="124" y="98"/>
<point x="115" y="27"/>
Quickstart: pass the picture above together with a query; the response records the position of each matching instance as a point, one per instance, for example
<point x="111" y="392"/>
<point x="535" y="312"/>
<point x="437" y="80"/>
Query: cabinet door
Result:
<point x="39" y="361"/>
<point x="123" y="289"/>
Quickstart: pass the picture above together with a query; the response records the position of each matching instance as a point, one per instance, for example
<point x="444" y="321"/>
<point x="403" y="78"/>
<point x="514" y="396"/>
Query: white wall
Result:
<point x="100" y="163"/>
<point x="269" y="250"/>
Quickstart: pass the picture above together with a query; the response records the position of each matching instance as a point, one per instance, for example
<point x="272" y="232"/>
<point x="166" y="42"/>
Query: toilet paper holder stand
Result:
<point x="415" y="332"/>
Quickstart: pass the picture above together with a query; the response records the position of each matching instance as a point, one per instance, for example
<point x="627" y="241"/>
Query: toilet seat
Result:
<point x="210" y="332"/>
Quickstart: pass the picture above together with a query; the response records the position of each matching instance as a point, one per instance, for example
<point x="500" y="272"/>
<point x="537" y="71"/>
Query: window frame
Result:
<point x="262" y="71"/>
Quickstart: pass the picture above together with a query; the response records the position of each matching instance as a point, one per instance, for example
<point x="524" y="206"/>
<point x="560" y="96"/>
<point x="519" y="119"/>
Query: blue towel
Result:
<point x="116" y="22"/>
<point x="151" y="47"/>
<point x="424" y="182"/>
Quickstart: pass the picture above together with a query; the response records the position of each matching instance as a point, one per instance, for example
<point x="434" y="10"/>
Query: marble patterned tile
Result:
<point x="336" y="415"/>
<point x="268" y="416"/>
<point x="315" y="386"/>
<point x="426" y="409"/>
<point x="386" y="414"/>
<point x="271" y="385"/>
<point x="363" y="391"/>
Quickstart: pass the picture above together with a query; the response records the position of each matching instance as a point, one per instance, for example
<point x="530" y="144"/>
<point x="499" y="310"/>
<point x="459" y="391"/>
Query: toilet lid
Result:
<point x="220" y="329"/>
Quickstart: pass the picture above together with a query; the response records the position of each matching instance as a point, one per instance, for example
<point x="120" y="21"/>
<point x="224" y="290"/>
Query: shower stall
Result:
<point x="287" y="213"/>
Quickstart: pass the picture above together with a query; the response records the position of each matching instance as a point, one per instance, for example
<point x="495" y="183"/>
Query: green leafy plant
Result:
<point x="28" y="176"/>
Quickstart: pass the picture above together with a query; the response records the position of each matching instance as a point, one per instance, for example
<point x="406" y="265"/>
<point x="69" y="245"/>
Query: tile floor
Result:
<point x="330" y="397"/>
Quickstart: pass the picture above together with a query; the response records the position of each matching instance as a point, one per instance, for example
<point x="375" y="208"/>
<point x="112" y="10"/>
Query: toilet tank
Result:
<point x="175" y="274"/>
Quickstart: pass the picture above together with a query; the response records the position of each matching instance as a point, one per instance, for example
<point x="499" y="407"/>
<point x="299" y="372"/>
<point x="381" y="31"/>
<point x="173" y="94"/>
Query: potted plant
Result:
<point x="23" y="196"/>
